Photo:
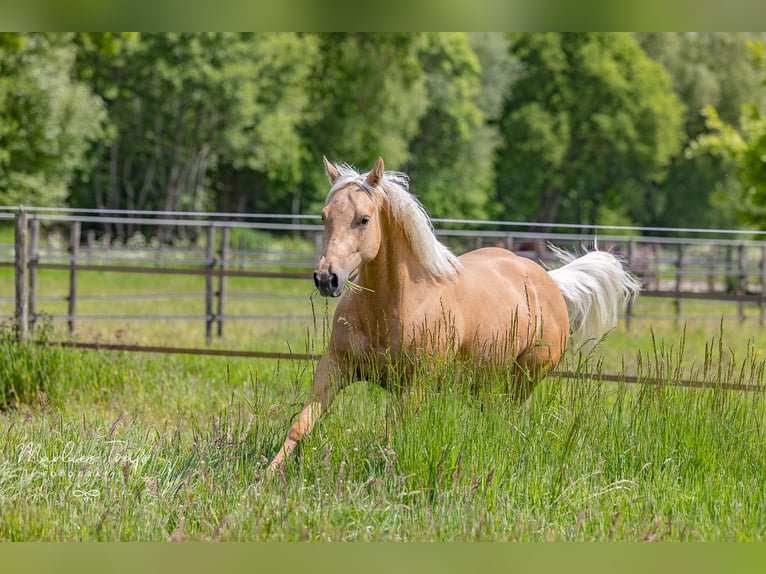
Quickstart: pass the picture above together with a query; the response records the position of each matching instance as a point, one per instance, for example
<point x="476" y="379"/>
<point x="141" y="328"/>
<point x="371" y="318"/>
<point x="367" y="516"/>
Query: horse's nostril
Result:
<point x="326" y="283"/>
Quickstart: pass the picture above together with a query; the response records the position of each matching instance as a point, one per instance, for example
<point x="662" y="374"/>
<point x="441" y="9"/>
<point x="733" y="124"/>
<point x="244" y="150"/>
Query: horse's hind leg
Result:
<point x="531" y="366"/>
<point x="521" y="383"/>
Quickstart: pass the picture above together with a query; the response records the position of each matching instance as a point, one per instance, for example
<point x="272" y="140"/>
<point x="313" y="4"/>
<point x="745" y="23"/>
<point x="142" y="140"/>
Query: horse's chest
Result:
<point x="368" y="331"/>
<point x="380" y="335"/>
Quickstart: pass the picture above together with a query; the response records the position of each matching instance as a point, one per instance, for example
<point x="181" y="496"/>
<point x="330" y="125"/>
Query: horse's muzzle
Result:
<point x="327" y="284"/>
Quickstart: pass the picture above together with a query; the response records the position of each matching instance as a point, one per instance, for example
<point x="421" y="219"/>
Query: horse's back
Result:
<point x="502" y="261"/>
<point x="501" y="294"/>
<point x="496" y="271"/>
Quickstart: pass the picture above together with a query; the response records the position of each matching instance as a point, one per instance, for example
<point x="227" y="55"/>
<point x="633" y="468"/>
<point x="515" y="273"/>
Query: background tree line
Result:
<point x="661" y="129"/>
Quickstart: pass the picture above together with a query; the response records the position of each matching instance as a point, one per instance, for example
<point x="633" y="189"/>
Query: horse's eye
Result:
<point x="364" y="220"/>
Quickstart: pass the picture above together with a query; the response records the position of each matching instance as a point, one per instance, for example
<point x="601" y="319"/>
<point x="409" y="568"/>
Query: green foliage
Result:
<point x="422" y="101"/>
<point x="260" y="168"/>
<point x="451" y="155"/>
<point x="583" y="127"/>
<point x="25" y="372"/>
<point x="31" y="373"/>
<point x="47" y="119"/>
<point x="368" y="95"/>
<point x="590" y="124"/>
<point x="744" y="152"/>
<point x="708" y="69"/>
<point x="181" y="103"/>
<point x="739" y="149"/>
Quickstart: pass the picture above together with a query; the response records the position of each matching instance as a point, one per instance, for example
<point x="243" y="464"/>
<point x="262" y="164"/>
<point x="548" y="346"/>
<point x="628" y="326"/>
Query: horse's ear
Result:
<point x="376" y="173"/>
<point x="331" y="170"/>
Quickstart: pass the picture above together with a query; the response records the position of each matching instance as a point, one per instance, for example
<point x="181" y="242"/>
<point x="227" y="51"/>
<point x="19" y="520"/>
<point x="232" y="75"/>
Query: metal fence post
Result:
<point x="629" y="306"/>
<point x="224" y="254"/>
<point x="763" y="286"/>
<point x="679" y="279"/>
<point x="742" y="279"/>
<point x="74" y="247"/>
<point x="210" y="257"/>
<point x="20" y="261"/>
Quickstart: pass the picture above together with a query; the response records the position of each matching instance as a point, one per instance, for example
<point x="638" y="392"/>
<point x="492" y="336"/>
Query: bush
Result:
<point x="26" y="370"/>
<point x="43" y="371"/>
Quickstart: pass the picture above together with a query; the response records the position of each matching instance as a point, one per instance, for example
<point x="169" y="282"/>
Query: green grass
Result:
<point x="118" y="446"/>
<point x="128" y="447"/>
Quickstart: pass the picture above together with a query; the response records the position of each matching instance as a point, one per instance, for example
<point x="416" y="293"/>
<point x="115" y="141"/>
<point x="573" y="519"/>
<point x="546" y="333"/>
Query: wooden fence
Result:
<point x="718" y="266"/>
<point x="217" y="262"/>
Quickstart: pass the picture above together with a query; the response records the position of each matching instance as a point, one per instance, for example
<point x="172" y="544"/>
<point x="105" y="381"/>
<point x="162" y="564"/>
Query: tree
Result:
<point x="181" y="105"/>
<point x="239" y="122"/>
<point x="589" y="125"/>
<point x="707" y="69"/>
<point x="741" y="150"/>
<point x="262" y="167"/>
<point x="368" y="94"/>
<point x="450" y="156"/>
<point x="425" y="102"/>
<point x="47" y="119"/>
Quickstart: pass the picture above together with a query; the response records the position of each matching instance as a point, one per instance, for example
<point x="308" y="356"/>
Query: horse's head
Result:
<point x="352" y="227"/>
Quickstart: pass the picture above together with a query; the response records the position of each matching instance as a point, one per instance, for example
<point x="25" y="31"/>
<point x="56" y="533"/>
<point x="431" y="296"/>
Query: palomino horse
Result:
<point x="412" y="298"/>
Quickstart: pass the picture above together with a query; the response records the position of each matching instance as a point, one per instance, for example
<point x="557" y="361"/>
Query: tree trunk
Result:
<point x="200" y="169"/>
<point x="549" y="206"/>
<point x="113" y="188"/>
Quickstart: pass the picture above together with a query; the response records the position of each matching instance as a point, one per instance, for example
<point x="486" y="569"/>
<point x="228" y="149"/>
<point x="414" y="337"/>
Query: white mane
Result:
<point x="438" y="260"/>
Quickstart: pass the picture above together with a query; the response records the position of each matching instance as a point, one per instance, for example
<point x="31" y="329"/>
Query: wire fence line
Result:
<point x="682" y="264"/>
<point x="127" y="215"/>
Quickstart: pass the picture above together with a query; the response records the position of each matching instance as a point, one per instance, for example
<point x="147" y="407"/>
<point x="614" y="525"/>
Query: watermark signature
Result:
<point x="119" y="453"/>
<point x="81" y="465"/>
<point x="86" y="495"/>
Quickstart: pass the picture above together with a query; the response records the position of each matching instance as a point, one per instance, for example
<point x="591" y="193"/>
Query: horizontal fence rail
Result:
<point x="622" y="378"/>
<point x="676" y="264"/>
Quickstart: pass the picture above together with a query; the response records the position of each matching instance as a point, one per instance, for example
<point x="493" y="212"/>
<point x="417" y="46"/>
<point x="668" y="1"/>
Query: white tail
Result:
<point x="596" y="289"/>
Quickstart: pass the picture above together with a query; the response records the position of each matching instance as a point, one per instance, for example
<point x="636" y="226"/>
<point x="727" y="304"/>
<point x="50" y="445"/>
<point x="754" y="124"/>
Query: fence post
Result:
<point x="655" y="269"/>
<point x="210" y="264"/>
<point x="763" y="286"/>
<point x="74" y="248"/>
<point x="629" y="306"/>
<point x="90" y="241"/>
<point x="679" y="277"/>
<point x="34" y="258"/>
<point x="712" y="268"/>
<point x="20" y="260"/>
<point x="742" y="279"/>
<point x="224" y="254"/>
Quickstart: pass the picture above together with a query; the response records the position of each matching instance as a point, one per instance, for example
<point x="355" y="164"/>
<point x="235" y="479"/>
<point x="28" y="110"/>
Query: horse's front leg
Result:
<point x="328" y="380"/>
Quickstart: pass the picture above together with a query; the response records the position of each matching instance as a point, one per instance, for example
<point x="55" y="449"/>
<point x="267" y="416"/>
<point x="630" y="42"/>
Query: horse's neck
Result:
<point x="395" y="272"/>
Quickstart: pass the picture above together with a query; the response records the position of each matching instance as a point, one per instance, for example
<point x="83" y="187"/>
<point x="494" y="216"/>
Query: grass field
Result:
<point x="118" y="446"/>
